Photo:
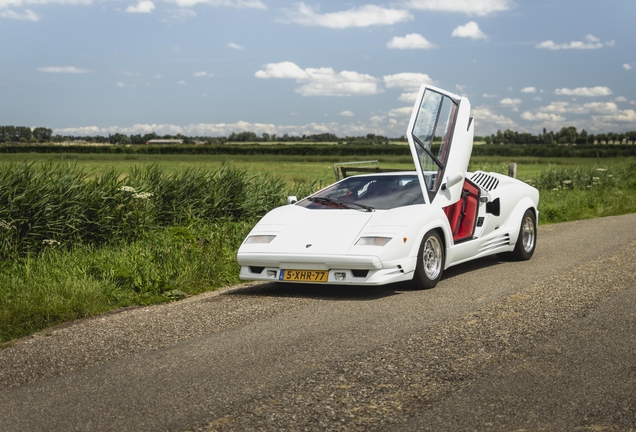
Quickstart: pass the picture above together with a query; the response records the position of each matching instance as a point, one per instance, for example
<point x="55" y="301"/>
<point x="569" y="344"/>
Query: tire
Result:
<point x="430" y="261"/>
<point x="527" y="240"/>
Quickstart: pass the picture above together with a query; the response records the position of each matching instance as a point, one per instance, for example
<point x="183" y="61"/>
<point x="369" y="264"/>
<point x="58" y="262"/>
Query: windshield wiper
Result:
<point x="366" y="207"/>
<point x="327" y="201"/>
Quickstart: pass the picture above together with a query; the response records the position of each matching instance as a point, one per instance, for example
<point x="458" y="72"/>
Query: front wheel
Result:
<point x="527" y="240"/>
<point x="430" y="261"/>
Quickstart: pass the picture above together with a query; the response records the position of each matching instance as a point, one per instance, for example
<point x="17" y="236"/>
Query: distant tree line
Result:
<point x="25" y="134"/>
<point x="567" y="135"/>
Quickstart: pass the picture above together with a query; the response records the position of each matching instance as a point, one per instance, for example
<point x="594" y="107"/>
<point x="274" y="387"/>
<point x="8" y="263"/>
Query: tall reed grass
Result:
<point x="44" y="205"/>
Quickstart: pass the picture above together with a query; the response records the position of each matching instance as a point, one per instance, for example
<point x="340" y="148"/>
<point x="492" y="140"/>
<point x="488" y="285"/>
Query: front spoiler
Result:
<point x="268" y="269"/>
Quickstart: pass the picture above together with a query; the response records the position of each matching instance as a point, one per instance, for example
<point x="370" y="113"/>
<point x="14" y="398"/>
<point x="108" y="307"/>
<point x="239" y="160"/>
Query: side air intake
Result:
<point x="485" y="181"/>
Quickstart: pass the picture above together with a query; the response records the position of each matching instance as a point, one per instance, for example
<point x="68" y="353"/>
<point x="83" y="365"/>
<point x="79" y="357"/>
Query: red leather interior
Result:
<point x="462" y="222"/>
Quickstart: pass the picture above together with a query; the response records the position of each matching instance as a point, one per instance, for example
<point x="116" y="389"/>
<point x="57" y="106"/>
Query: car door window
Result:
<point x="433" y="125"/>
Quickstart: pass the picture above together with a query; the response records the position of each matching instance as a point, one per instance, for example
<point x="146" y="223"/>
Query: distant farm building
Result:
<point x="165" y="141"/>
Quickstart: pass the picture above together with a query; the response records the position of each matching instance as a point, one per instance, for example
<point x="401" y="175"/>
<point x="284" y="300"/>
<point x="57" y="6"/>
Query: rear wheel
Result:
<point x="430" y="261"/>
<point x="527" y="240"/>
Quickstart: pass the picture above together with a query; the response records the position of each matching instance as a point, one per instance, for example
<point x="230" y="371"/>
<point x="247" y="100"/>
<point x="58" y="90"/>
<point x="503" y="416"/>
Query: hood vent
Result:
<point x="485" y="181"/>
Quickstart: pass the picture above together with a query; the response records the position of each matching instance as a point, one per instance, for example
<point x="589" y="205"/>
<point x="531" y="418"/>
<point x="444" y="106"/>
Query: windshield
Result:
<point x="368" y="192"/>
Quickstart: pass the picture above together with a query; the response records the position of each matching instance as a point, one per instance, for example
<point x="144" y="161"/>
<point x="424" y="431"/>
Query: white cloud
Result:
<point x="28" y="15"/>
<point x="469" y="7"/>
<point x="224" y="129"/>
<point x="362" y="16"/>
<point x="322" y="81"/>
<point x="182" y="82"/>
<point x="180" y="14"/>
<point x="239" y="4"/>
<point x="528" y="90"/>
<point x="487" y="121"/>
<point x="584" y="91"/>
<point x="593" y="116"/>
<point x="143" y="6"/>
<point x="409" y="97"/>
<point x="591" y="42"/>
<point x="469" y="30"/>
<point x="282" y="70"/>
<point x="620" y="99"/>
<point x="409" y="81"/>
<point x="203" y="74"/>
<point x="511" y="103"/>
<point x="5" y="4"/>
<point x="235" y="46"/>
<point x="627" y="66"/>
<point x="120" y="84"/>
<point x="603" y="115"/>
<point x="347" y="113"/>
<point x="63" y="69"/>
<point x="489" y="96"/>
<point x="543" y="117"/>
<point x="410" y="41"/>
<point x="401" y="112"/>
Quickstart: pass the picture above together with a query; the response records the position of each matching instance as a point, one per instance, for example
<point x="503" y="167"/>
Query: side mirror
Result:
<point x="292" y="199"/>
<point x="452" y="180"/>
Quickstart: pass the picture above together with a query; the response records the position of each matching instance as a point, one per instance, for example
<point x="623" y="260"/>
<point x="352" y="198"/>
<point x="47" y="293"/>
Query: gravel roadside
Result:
<point x="383" y="387"/>
<point x="127" y="332"/>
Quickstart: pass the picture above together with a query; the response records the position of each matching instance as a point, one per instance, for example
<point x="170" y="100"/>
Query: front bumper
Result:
<point x="343" y="270"/>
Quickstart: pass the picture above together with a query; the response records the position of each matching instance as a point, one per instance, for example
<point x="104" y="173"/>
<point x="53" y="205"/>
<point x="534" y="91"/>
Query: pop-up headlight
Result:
<point x="373" y="241"/>
<point x="264" y="239"/>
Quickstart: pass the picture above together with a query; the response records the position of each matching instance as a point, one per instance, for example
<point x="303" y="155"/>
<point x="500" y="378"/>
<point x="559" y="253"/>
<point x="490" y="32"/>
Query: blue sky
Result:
<point x="212" y="67"/>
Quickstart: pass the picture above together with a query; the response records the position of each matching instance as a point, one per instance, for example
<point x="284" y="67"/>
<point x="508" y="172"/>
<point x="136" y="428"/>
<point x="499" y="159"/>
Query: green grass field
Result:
<point x="291" y="168"/>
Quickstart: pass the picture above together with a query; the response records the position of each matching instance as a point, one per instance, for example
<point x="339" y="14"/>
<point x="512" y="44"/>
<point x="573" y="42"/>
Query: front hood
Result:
<point x="306" y="231"/>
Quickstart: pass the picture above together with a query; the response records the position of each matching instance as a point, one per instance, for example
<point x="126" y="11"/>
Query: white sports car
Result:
<point x="389" y="227"/>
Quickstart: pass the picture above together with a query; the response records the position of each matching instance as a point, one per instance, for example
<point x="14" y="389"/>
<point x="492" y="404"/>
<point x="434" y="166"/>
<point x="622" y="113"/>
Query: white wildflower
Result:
<point x="127" y="189"/>
<point x="601" y="169"/>
<point x="6" y="225"/>
<point x="50" y="242"/>
<point x="143" y="195"/>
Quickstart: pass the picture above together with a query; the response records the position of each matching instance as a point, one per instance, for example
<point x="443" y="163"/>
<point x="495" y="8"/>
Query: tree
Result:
<point x="118" y="139"/>
<point x="42" y="134"/>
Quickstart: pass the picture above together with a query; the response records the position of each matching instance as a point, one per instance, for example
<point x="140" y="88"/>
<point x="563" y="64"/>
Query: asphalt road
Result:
<point x="547" y="344"/>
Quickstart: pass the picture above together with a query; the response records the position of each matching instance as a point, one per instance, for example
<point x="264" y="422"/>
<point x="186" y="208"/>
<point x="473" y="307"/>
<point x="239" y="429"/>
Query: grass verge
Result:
<point x="60" y="285"/>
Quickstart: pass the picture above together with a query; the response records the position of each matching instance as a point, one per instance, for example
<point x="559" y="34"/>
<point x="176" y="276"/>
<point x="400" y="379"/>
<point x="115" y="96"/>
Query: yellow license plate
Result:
<point x="304" y="275"/>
